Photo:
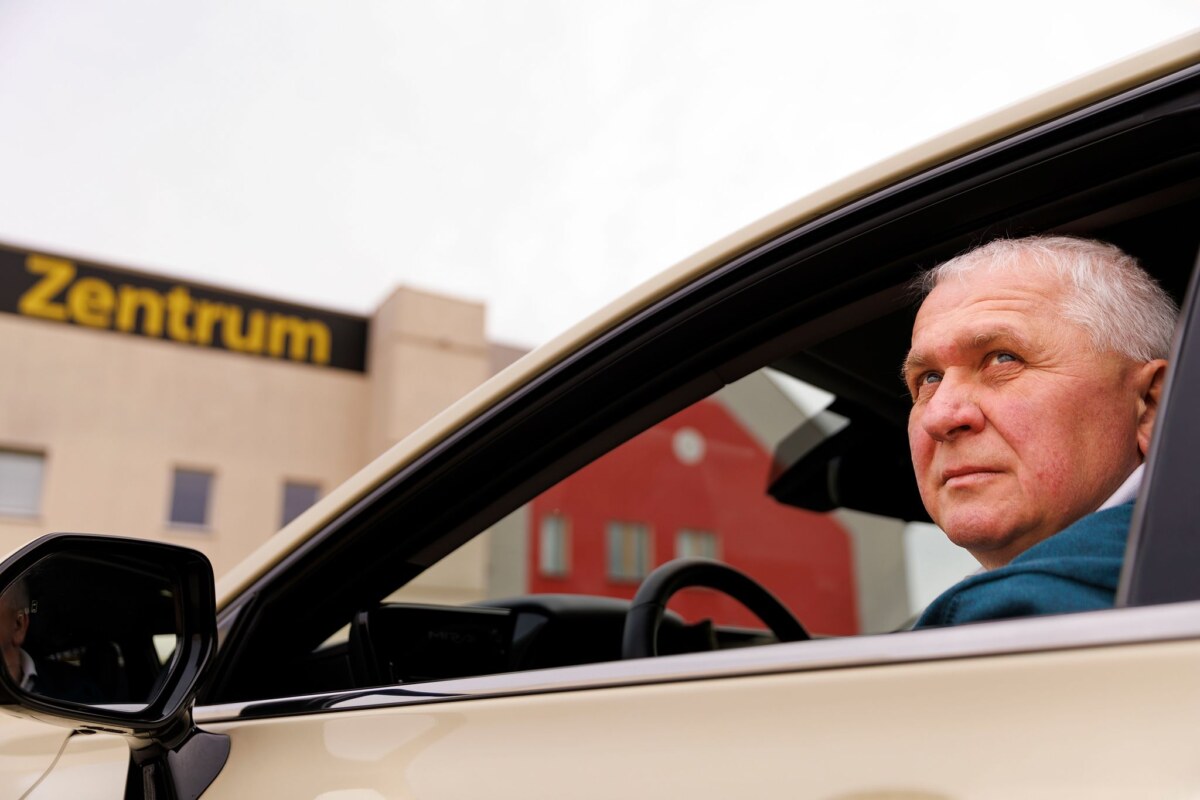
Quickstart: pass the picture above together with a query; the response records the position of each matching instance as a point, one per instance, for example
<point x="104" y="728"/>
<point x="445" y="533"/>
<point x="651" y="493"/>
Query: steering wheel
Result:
<point x="640" y="639"/>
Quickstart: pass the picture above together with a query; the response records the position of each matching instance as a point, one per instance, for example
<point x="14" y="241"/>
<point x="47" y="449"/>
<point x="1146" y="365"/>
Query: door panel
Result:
<point x="1107" y="722"/>
<point x="27" y="750"/>
<point x="91" y="767"/>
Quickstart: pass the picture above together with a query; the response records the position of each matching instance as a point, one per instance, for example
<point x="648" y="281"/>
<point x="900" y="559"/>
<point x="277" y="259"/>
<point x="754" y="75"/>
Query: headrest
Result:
<point x="864" y="467"/>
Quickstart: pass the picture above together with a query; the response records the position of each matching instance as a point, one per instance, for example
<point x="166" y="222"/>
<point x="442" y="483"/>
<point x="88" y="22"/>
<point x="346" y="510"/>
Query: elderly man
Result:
<point x="14" y="624"/>
<point x="1035" y="371"/>
<point x="51" y="678"/>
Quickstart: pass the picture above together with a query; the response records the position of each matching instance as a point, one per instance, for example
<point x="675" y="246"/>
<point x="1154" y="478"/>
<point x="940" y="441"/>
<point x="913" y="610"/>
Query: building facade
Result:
<point x="692" y="486"/>
<point x="136" y="405"/>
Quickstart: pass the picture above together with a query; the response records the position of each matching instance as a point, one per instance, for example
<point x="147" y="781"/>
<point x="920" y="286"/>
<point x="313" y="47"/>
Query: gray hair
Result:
<point x="1113" y="298"/>
<point x="16" y="595"/>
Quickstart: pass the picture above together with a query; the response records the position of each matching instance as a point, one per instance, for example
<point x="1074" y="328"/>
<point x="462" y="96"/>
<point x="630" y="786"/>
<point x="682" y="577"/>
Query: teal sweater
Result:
<point x="1076" y="569"/>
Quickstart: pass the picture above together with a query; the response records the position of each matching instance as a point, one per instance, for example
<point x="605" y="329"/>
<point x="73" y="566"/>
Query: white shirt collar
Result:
<point x="28" y="671"/>
<point x="1127" y="490"/>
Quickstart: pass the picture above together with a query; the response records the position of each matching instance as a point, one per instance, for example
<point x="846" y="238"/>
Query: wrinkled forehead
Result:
<point x="1020" y="284"/>
<point x="15" y="597"/>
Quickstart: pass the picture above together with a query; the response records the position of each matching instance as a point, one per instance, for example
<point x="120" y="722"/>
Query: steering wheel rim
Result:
<point x="640" y="637"/>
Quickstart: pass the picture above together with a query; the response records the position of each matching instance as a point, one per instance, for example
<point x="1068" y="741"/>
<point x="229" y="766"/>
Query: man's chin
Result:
<point x="985" y="538"/>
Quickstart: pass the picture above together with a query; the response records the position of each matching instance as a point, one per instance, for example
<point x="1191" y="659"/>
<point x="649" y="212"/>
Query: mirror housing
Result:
<point x="109" y="634"/>
<point x="112" y="577"/>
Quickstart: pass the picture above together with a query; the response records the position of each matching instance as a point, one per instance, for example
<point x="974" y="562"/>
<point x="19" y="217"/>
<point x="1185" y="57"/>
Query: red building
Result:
<point x="694" y="484"/>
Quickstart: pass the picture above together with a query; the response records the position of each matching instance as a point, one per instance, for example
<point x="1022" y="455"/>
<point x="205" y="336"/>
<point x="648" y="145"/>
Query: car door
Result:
<point x="1002" y="709"/>
<point x="1097" y="705"/>
<point x="987" y="723"/>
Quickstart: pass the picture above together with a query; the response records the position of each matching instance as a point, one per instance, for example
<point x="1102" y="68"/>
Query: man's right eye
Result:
<point x="921" y="381"/>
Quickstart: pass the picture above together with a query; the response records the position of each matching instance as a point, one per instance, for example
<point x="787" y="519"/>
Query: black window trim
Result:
<point x="1162" y="561"/>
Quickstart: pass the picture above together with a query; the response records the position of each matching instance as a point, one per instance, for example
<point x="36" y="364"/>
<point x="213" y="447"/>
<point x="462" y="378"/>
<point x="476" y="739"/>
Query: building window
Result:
<point x="629" y="551"/>
<point x="695" y="544"/>
<point x="554" y="546"/>
<point x="20" y="483"/>
<point x="296" y="498"/>
<point x="190" y="497"/>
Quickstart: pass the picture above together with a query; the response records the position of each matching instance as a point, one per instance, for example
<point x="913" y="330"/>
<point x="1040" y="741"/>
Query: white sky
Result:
<point x="542" y="156"/>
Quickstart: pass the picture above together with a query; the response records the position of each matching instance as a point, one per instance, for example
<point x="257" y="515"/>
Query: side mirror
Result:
<point x="101" y="633"/>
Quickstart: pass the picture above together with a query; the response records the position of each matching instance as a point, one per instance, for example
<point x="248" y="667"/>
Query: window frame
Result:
<point x="656" y="350"/>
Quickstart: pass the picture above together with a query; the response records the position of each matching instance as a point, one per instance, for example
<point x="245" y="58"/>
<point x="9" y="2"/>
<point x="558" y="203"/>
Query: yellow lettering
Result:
<point x="176" y="314"/>
<point x="91" y="302"/>
<point x="248" y="341"/>
<point x="38" y="301"/>
<point x="301" y="333"/>
<point x="179" y="306"/>
<point x="129" y="300"/>
<point x="207" y="316"/>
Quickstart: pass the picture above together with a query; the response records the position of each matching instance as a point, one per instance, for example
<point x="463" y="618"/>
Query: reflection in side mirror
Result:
<point x="84" y="630"/>
<point x="105" y="633"/>
<point x="102" y="633"/>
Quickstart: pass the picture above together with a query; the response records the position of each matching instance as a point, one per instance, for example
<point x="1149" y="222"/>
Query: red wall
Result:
<point x="804" y="558"/>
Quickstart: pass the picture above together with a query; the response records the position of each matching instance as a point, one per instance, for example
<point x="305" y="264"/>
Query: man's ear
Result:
<point x="21" y="628"/>
<point x="1149" y="380"/>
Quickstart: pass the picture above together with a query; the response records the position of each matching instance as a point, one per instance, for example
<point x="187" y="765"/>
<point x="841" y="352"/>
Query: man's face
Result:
<point x="1018" y="427"/>
<point x="14" y="623"/>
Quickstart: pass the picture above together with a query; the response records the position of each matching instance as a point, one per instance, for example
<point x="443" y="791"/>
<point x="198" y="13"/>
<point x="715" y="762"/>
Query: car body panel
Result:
<point x="1055" y="102"/>
<point x="89" y="768"/>
<point x="27" y="750"/>
<point x="888" y="731"/>
<point x="901" y="699"/>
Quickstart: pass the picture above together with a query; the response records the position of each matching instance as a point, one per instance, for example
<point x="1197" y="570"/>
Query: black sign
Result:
<point x="78" y="293"/>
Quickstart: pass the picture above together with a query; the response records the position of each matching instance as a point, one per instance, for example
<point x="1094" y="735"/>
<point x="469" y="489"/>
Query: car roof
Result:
<point x="1085" y="90"/>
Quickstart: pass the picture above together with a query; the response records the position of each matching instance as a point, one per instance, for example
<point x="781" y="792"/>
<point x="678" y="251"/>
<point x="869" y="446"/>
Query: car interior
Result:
<point x="827" y="305"/>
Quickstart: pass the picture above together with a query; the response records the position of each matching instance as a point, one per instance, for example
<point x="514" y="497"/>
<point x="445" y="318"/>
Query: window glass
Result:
<point x="553" y="546"/>
<point x="711" y="475"/>
<point x="743" y="475"/>
<point x="628" y="551"/>
<point x="695" y="544"/>
<point x="932" y="564"/>
<point x="297" y="497"/>
<point x="20" y="482"/>
<point x="190" y="493"/>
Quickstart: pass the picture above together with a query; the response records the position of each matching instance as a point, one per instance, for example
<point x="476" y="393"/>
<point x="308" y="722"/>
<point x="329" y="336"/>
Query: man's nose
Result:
<point x="952" y="411"/>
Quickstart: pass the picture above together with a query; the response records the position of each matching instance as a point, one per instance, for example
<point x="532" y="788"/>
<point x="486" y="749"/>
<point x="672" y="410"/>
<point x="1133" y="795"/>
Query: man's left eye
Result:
<point x="1004" y="358"/>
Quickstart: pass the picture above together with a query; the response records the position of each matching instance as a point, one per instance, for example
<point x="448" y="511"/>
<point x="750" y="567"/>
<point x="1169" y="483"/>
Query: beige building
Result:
<point x="138" y="405"/>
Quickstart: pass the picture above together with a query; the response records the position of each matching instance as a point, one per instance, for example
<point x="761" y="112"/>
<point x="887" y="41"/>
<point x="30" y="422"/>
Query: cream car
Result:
<point x="760" y="376"/>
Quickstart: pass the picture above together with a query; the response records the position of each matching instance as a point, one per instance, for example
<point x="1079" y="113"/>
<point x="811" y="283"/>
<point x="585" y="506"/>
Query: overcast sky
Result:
<point x="542" y="156"/>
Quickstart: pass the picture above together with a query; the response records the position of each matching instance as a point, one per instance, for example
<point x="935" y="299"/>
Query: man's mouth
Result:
<point x="959" y="477"/>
